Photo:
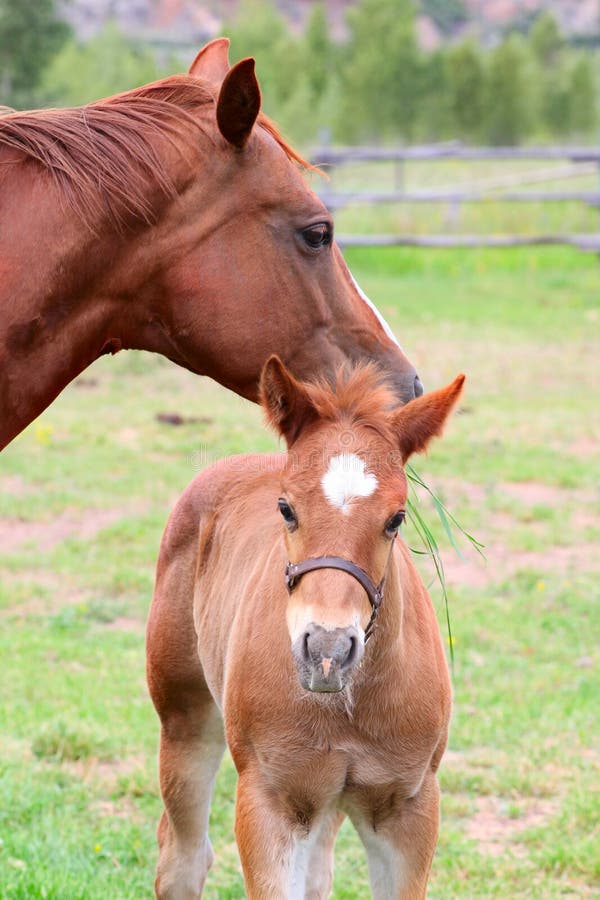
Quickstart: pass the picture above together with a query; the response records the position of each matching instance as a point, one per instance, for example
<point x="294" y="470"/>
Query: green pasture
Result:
<point x="85" y="493"/>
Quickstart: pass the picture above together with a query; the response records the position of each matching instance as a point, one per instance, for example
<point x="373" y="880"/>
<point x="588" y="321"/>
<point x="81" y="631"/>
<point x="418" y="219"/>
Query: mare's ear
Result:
<point x="212" y="62"/>
<point x="424" y="418"/>
<point x="285" y="400"/>
<point x="239" y="103"/>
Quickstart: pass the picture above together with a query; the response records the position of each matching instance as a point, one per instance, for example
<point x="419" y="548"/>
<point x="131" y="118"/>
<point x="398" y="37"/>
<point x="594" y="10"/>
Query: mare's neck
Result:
<point x="61" y="297"/>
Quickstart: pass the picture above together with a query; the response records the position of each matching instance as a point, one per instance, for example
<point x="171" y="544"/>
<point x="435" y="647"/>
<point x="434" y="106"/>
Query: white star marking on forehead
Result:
<point x="346" y="479"/>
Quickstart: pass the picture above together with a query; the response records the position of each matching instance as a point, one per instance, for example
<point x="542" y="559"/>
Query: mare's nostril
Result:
<point x="418" y="387"/>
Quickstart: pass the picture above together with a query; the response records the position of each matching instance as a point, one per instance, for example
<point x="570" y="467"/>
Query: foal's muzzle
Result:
<point x="325" y="658"/>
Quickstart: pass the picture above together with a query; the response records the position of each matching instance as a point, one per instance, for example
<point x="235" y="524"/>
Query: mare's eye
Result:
<point x="318" y="235"/>
<point x="288" y="513"/>
<point x="394" y="523"/>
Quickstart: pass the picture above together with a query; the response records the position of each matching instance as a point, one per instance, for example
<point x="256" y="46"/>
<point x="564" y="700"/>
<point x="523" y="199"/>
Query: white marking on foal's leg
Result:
<point x="311" y="871"/>
<point x="387" y="866"/>
<point x="346" y="479"/>
<point x="370" y="303"/>
<point x="299" y="865"/>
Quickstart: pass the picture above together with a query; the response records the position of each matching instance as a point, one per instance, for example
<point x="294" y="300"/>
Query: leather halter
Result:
<point x="295" y="571"/>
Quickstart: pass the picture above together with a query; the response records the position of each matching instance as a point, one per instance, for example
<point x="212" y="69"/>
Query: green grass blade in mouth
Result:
<point x="431" y="548"/>
<point x="446" y="517"/>
<point x="429" y="542"/>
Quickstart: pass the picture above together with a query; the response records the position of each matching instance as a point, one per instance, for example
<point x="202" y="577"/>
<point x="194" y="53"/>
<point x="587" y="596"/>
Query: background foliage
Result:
<point x="377" y="84"/>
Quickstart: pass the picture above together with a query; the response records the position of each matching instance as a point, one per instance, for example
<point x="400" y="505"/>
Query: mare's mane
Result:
<point x="101" y="155"/>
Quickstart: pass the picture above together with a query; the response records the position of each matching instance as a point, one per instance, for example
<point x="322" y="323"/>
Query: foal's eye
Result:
<point x="394" y="523"/>
<point x="319" y="235"/>
<point x="288" y="513"/>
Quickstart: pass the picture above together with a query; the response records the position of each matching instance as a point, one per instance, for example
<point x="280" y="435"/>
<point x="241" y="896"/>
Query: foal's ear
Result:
<point x="424" y="418"/>
<point x="239" y="103"/>
<point x="212" y="62"/>
<point x="285" y="400"/>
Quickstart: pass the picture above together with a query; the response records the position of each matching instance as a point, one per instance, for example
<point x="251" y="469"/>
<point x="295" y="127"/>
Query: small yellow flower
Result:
<point x="43" y="434"/>
<point x="97" y="848"/>
<point x="540" y="586"/>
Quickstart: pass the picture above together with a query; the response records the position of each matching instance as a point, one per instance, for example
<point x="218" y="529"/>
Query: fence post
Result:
<point x="399" y="175"/>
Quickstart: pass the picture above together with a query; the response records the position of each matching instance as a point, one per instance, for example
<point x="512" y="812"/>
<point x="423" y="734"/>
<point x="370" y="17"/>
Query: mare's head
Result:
<point x="204" y="242"/>
<point x="262" y="253"/>
<point x="343" y="495"/>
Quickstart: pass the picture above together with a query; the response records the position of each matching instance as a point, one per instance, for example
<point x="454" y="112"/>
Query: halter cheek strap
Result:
<point x="295" y="571"/>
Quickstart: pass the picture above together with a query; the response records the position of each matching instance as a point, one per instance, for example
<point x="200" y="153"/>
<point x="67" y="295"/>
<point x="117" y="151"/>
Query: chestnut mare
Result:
<point x="319" y="724"/>
<point x="171" y="218"/>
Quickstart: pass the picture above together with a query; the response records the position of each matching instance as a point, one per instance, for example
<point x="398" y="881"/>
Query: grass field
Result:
<point x="85" y="492"/>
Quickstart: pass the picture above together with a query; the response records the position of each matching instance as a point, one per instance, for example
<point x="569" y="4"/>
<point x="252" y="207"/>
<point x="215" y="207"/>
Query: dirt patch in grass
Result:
<point x="16" y="533"/>
<point x="497" y="823"/>
<point x="15" y="486"/>
<point x="502" y="562"/>
<point x="534" y="493"/>
<point x="122" y="808"/>
<point x="107" y="772"/>
<point x="585" y="448"/>
<point x="527" y="493"/>
<point x="501" y="559"/>
<point x="126" y="623"/>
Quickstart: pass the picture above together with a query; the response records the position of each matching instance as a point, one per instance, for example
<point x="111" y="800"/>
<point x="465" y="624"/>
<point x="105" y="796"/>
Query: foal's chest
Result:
<point x="348" y="775"/>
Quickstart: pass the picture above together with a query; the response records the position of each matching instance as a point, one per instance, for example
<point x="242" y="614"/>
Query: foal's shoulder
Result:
<point x="232" y="477"/>
<point x="241" y="473"/>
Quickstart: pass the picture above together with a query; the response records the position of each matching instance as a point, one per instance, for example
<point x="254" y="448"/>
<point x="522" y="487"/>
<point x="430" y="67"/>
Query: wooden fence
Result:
<point x="580" y="161"/>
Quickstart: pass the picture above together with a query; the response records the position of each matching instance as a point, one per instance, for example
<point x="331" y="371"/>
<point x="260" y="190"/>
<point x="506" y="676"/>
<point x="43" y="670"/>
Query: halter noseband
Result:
<point x="295" y="571"/>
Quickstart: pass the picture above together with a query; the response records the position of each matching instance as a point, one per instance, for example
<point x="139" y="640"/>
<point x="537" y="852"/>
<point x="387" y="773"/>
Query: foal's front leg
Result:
<point x="190" y="754"/>
<point x="265" y="840"/>
<point x="400" y="847"/>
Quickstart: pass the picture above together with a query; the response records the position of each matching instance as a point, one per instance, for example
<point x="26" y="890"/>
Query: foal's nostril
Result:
<point x="351" y="655"/>
<point x="305" y="649"/>
<point x="325" y="657"/>
<point x="418" y="387"/>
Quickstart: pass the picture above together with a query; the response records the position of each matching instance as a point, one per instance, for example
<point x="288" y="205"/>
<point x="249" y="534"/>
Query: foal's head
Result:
<point x="343" y="495"/>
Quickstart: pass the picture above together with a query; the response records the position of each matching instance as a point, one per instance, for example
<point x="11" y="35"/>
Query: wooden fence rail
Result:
<point x="587" y="242"/>
<point x="339" y="155"/>
<point x="583" y="160"/>
<point x="337" y="199"/>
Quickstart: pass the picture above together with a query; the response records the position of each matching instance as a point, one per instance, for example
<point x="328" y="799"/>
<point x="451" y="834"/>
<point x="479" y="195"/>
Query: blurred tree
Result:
<point x="545" y="39"/>
<point x="446" y="14"/>
<point x="380" y="71"/>
<point x="106" y="65"/>
<point x="509" y="106"/>
<point x="310" y="110"/>
<point x="554" y="100"/>
<point x="434" y="115"/>
<point x="583" y="99"/>
<point x="466" y="88"/>
<point x="297" y="117"/>
<point x="318" y="54"/>
<point x="31" y="33"/>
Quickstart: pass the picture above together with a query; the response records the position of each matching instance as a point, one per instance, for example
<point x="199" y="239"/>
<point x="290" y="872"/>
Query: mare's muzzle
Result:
<point x="325" y="657"/>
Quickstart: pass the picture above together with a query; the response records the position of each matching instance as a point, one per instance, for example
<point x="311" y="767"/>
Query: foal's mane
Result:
<point x="101" y="155"/>
<point x="359" y="396"/>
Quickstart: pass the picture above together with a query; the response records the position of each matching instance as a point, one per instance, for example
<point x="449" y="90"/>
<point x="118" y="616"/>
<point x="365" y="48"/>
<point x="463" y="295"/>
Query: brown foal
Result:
<point x="320" y="723"/>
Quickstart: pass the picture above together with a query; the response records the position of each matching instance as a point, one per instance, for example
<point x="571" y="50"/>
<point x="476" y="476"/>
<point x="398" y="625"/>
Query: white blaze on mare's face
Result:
<point x="346" y="479"/>
<point x="370" y="303"/>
